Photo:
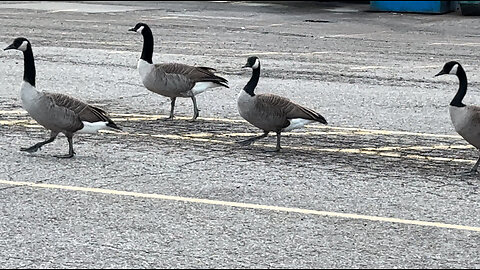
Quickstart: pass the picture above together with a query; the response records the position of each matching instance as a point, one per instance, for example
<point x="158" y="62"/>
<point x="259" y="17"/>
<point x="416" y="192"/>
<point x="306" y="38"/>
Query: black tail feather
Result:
<point x="113" y="125"/>
<point x="321" y="119"/>
<point x="314" y="115"/>
<point x="222" y="84"/>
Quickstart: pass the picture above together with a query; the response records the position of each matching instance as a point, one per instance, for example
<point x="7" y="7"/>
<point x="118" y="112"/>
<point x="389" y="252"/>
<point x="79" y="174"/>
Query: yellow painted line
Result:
<point x="373" y="152"/>
<point x="365" y="151"/>
<point x="142" y="117"/>
<point x="208" y="137"/>
<point x="366" y="131"/>
<point x="306" y="133"/>
<point x="16" y="122"/>
<point x="388" y="132"/>
<point x="244" y="205"/>
<point x="420" y="148"/>
<point x="14" y="112"/>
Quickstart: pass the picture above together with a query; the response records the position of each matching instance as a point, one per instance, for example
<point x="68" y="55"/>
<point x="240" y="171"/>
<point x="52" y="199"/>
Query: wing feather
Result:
<point x="283" y="107"/>
<point x="194" y="74"/>
<point x="75" y="111"/>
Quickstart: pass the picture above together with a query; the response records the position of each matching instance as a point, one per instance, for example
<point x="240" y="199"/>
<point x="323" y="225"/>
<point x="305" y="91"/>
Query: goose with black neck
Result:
<point x="173" y="80"/>
<point x="58" y="113"/>
<point x="269" y="112"/>
<point x="465" y="118"/>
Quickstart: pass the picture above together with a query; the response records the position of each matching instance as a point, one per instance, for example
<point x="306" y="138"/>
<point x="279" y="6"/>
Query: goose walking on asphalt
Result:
<point x="173" y="79"/>
<point x="271" y="112"/>
<point x="465" y="118"/>
<point x="58" y="113"/>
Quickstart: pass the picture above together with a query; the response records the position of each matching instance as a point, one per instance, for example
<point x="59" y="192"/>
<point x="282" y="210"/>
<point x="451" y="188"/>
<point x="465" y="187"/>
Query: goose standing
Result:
<point x="56" y="112"/>
<point x="172" y="79"/>
<point x="465" y="118"/>
<point x="271" y="112"/>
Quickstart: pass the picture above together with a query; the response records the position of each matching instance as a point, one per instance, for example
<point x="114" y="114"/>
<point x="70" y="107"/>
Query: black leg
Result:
<point x="172" y="107"/>
<point x="277" y="149"/>
<point x="37" y="146"/>
<point x="253" y="139"/>
<point x="278" y="142"/>
<point x="71" y="153"/>
<point x="474" y="170"/>
<point x="195" y="108"/>
<point x="475" y="167"/>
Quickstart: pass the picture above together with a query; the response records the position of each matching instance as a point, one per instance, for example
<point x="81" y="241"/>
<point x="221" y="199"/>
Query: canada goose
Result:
<point x="56" y="112"/>
<point x="172" y="79"/>
<point x="271" y="112"/>
<point x="465" y="118"/>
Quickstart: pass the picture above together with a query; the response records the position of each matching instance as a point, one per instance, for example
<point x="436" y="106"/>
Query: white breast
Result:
<point x="145" y="69"/>
<point x="459" y="117"/>
<point x="245" y="104"/>
<point x="29" y="95"/>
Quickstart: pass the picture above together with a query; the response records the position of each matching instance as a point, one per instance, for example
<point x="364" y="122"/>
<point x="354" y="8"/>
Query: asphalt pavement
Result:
<point x="380" y="186"/>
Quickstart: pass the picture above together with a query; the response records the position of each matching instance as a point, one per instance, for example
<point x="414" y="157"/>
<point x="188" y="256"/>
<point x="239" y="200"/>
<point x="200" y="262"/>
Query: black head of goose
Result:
<point x="58" y="113"/>
<point x="271" y="112"/>
<point x="173" y="79"/>
<point x="465" y="118"/>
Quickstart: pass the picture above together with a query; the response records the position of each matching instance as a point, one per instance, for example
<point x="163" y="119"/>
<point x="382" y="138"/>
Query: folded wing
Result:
<point x="283" y="107"/>
<point x="70" y="112"/>
<point x="192" y="74"/>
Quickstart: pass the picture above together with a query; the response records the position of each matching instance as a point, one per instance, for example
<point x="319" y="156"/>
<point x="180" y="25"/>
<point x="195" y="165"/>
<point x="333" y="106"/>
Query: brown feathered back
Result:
<point x="82" y="110"/>
<point x="194" y="74"/>
<point x="283" y="107"/>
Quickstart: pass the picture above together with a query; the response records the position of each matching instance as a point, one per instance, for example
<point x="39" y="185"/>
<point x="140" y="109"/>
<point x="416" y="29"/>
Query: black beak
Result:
<point x="440" y="73"/>
<point x="246" y="66"/>
<point x="10" y="47"/>
<point x="132" y="29"/>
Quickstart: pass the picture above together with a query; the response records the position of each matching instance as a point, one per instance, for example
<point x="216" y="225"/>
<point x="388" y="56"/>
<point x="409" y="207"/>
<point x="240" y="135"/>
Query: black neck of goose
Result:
<point x="462" y="90"/>
<point x="147" y="50"/>
<point x="250" y="87"/>
<point x="29" y="66"/>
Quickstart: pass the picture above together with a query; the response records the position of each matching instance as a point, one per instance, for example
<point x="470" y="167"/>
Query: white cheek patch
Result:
<point x="257" y="63"/>
<point x="23" y="47"/>
<point x="139" y="30"/>
<point x="454" y="70"/>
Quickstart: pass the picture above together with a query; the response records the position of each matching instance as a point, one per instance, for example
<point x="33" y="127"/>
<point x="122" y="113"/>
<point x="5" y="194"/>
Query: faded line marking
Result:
<point x="142" y="117"/>
<point x="226" y="120"/>
<point x="366" y="151"/>
<point x="244" y="205"/>
<point x="207" y="137"/>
